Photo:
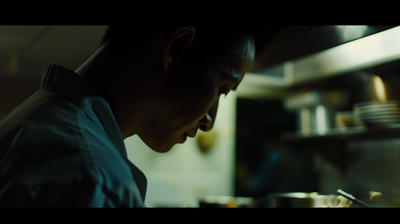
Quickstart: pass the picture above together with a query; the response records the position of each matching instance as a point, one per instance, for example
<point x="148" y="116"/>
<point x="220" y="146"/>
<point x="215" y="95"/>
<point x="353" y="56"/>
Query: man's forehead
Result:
<point x="244" y="55"/>
<point x="235" y="63"/>
<point x="247" y="48"/>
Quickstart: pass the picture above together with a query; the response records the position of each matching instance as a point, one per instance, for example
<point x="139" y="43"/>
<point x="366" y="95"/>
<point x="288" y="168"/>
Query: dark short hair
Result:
<point x="216" y="38"/>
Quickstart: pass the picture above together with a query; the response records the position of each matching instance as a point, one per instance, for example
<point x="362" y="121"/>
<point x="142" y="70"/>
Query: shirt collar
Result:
<point x="67" y="83"/>
<point x="74" y="88"/>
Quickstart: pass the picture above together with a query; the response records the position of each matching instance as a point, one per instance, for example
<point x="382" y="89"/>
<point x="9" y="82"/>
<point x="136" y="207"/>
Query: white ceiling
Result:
<point x="25" y="50"/>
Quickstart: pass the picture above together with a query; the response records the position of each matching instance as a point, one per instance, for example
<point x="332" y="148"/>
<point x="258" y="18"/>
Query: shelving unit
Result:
<point x="390" y="131"/>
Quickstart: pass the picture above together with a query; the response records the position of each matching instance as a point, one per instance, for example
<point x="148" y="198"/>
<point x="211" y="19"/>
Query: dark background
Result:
<point x="264" y="163"/>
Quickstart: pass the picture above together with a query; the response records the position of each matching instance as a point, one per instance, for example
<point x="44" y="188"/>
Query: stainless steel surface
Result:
<point x="299" y="41"/>
<point x="316" y="109"/>
<point x="302" y="200"/>
<point x="312" y="98"/>
<point x="372" y="50"/>
<point x="315" y="119"/>
<point x="338" y="134"/>
<point x="369" y="51"/>
<point x="374" y="84"/>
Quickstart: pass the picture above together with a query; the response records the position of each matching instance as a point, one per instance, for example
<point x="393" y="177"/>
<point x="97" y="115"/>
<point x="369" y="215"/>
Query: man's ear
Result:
<point x="181" y="39"/>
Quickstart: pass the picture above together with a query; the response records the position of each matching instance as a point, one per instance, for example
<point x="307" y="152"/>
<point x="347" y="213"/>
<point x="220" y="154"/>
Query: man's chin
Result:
<point x="165" y="145"/>
<point x="161" y="148"/>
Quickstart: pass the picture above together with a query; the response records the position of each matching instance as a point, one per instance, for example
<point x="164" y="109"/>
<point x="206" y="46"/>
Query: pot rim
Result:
<point x="299" y="195"/>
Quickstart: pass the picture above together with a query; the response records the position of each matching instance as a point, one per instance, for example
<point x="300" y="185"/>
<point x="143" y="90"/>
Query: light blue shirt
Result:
<point x="63" y="147"/>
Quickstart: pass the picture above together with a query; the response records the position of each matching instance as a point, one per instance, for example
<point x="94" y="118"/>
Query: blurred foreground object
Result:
<point x="375" y="195"/>
<point x="307" y="200"/>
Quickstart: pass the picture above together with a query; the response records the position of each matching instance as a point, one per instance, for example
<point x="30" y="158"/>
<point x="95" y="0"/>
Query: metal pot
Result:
<point x="302" y="200"/>
<point x="227" y="202"/>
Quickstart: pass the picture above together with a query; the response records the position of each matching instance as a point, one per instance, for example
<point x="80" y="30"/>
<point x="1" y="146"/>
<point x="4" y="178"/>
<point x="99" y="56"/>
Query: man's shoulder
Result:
<point x="40" y="129"/>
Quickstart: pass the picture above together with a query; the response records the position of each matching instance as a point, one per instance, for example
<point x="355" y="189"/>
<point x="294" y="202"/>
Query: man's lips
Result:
<point x="191" y="134"/>
<point x="187" y="135"/>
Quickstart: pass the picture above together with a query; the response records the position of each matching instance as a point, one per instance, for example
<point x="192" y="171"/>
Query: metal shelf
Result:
<point x="390" y="131"/>
<point x="369" y="51"/>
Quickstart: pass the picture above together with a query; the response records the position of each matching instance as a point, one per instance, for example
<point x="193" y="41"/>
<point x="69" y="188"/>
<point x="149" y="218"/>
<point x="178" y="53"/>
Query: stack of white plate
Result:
<point x="377" y="113"/>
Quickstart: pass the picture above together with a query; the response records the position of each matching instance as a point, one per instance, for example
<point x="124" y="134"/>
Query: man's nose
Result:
<point x="207" y="122"/>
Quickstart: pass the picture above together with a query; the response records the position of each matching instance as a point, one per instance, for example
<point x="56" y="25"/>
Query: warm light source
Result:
<point x="379" y="88"/>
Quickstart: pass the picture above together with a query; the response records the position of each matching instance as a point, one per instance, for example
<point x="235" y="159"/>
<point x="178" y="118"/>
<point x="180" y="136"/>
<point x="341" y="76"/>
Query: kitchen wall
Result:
<point x="13" y="92"/>
<point x="184" y="174"/>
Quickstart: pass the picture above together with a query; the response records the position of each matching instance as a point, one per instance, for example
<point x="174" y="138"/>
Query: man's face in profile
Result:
<point x="186" y="97"/>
